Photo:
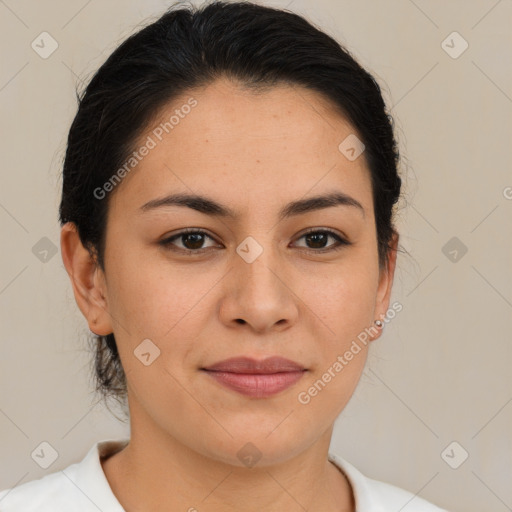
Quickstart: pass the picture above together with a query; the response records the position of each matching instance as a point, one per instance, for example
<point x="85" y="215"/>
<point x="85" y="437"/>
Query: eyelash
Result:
<point x="168" y="242"/>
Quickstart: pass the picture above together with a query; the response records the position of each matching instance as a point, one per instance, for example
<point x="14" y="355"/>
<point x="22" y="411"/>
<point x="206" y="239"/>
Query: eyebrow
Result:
<point x="208" y="206"/>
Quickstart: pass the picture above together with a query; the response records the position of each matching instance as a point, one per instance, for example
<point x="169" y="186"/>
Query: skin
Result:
<point x="253" y="153"/>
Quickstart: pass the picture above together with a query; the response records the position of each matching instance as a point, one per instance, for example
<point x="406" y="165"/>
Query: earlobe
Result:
<point x="87" y="280"/>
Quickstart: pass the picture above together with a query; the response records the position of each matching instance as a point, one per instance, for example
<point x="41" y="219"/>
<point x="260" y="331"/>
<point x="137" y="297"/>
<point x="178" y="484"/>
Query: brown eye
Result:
<point x="317" y="239"/>
<point x="191" y="240"/>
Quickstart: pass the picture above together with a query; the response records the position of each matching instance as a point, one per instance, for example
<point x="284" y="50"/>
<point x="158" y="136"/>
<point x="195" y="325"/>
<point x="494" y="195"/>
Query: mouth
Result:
<point x="257" y="379"/>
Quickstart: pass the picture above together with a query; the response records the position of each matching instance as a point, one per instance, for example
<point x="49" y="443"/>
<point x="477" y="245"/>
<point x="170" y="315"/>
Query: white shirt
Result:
<point x="83" y="487"/>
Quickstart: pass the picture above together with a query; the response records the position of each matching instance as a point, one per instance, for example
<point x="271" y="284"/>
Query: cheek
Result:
<point x="343" y="299"/>
<point x="153" y="299"/>
<point x="345" y="307"/>
<point x="162" y="304"/>
<point x="168" y="305"/>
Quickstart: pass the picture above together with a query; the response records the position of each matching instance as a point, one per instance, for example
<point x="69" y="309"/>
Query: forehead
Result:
<point x="249" y="146"/>
<point x="228" y="112"/>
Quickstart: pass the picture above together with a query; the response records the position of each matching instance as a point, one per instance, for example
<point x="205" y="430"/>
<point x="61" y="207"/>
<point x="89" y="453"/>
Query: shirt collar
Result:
<point x="90" y="478"/>
<point x="365" y="499"/>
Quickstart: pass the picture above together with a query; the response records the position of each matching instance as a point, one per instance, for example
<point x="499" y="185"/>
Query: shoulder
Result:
<point x="40" y="495"/>
<point x="81" y="486"/>
<point x="376" y="496"/>
<point x="396" y="498"/>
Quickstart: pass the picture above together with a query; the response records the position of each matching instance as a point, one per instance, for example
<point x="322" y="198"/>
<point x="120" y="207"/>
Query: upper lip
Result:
<point x="269" y="365"/>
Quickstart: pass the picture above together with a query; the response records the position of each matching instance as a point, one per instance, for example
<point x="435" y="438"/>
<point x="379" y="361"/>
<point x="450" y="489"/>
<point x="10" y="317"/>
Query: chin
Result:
<point x="259" y="447"/>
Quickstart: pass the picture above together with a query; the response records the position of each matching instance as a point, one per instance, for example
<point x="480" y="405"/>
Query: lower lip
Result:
<point x="258" y="386"/>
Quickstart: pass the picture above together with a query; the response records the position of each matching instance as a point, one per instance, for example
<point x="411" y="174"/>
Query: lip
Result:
<point x="273" y="364"/>
<point x="254" y="378"/>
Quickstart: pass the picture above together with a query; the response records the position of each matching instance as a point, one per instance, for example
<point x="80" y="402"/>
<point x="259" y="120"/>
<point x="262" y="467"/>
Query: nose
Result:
<point x="259" y="294"/>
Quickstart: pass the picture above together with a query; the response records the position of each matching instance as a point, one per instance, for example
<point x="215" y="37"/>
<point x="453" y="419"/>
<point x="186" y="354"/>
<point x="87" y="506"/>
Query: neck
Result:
<point x="157" y="472"/>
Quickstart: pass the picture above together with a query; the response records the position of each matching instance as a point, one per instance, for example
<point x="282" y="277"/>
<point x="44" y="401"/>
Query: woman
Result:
<point x="227" y="226"/>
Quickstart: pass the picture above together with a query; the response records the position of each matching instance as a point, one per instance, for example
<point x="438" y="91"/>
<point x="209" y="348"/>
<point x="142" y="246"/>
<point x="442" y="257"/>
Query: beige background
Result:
<point x="442" y="370"/>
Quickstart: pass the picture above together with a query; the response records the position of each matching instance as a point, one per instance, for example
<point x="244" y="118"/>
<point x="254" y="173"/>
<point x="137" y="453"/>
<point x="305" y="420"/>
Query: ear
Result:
<point x="386" y="283"/>
<point x="87" y="279"/>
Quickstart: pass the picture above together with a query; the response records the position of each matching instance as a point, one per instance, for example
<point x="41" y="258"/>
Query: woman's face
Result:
<point x="254" y="284"/>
